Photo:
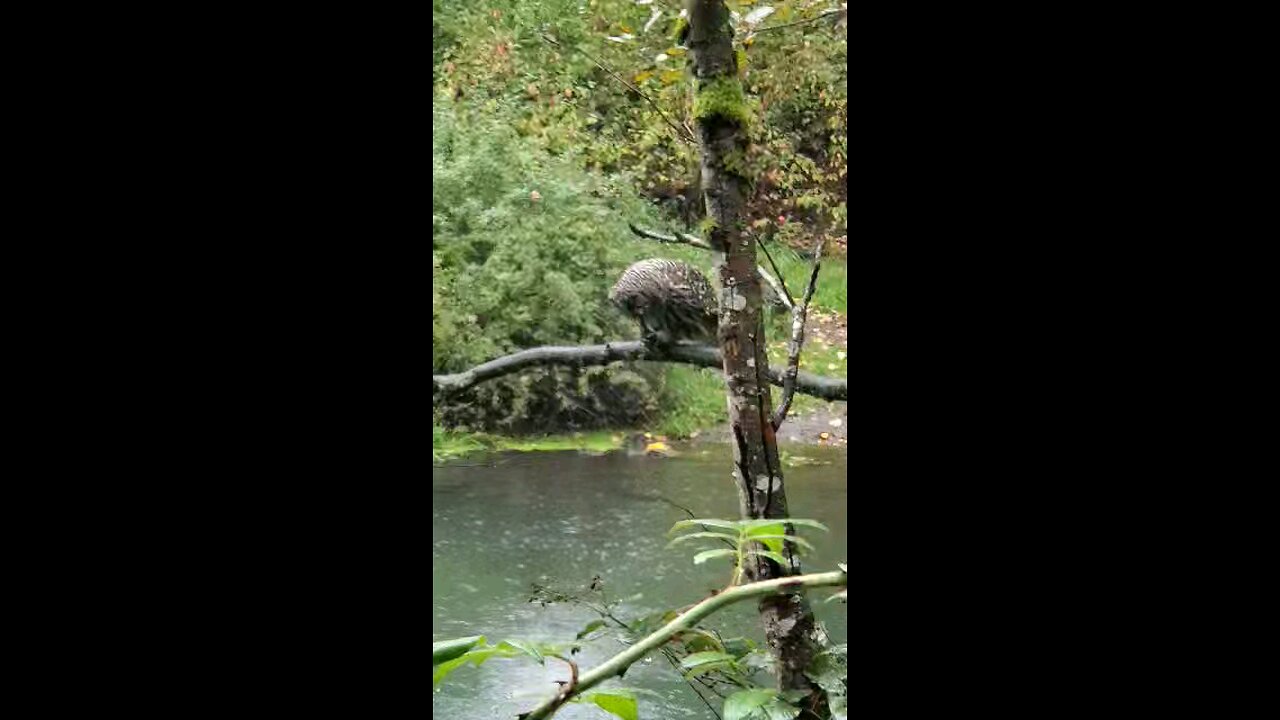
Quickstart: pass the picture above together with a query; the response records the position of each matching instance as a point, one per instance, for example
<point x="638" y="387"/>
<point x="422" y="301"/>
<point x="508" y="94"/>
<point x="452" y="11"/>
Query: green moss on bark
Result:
<point x="721" y="99"/>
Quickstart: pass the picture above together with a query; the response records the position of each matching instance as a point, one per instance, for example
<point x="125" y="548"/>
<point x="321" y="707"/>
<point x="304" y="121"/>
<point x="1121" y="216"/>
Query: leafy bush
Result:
<point x="525" y="247"/>
<point x="795" y="80"/>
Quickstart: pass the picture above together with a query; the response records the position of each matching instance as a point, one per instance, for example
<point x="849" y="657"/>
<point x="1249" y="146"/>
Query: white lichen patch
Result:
<point x="731" y="299"/>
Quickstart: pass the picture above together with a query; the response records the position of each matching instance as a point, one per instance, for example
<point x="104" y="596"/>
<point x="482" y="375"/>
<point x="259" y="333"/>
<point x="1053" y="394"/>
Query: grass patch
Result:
<point x="816" y="357"/>
<point x="832" y="292"/>
<point x="693" y="399"/>
<point x="449" y="444"/>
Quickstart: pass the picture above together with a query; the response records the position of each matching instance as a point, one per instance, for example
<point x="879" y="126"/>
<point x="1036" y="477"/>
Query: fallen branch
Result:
<point x="587" y="355"/>
<point x="799" y="315"/>
<point x="618" y="664"/>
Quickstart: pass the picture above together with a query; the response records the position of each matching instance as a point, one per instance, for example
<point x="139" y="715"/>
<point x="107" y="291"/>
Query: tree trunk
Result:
<point x="721" y="114"/>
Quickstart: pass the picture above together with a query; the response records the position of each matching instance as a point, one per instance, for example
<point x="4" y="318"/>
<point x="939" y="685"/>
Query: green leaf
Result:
<point x="770" y="525"/>
<point x="777" y="709"/>
<point x="780" y="538"/>
<point x="447" y="650"/>
<point x="765" y="527"/>
<point x="726" y="524"/>
<point x="525" y="648"/>
<point x="706" y="555"/>
<point x="744" y="704"/>
<point x="707" y="668"/>
<point x="738" y="647"/>
<point x="442" y="670"/>
<point x="830" y="669"/>
<point x="776" y="557"/>
<point x="622" y="705"/>
<point x="771" y="544"/>
<point x="713" y="535"/>
<point x="590" y="628"/>
<point x="701" y="640"/>
<point x="702" y="658"/>
<point x="794" y="696"/>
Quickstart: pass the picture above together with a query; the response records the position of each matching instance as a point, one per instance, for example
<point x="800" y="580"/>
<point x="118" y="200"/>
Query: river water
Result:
<point x="501" y="523"/>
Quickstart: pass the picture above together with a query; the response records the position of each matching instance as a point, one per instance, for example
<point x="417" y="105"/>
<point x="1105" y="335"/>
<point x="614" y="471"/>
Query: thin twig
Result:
<point x="829" y="12"/>
<point x="682" y="133"/>
<point x="791" y="300"/>
<point x="680" y="239"/>
<point x="779" y="290"/>
<point x="799" y="315"/>
<point x="689" y="512"/>
<point x="676" y="666"/>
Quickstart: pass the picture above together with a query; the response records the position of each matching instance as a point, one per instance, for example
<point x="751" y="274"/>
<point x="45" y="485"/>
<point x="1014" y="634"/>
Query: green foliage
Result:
<point x="524" y="250"/>
<point x="832" y="292"/>
<point x="614" y="702"/>
<point x="515" y="114"/>
<point x="720" y="99"/>
<point x="449" y="655"/>
<point x="494" y="57"/>
<point x="448" y="444"/>
<point x="691" y="399"/>
<point x="830" y="671"/>
<point x="446" y="650"/>
<point x="758" y="704"/>
<point x="745" y="539"/>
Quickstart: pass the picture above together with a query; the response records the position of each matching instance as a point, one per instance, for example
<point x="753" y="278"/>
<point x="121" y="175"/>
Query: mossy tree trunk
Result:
<point x="722" y="116"/>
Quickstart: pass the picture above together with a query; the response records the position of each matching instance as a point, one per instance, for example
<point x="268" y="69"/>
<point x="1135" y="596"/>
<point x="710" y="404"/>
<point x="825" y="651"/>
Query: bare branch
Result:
<point x="682" y="132"/>
<point x="589" y="355"/>
<point x="799" y="315"/>
<point x="779" y="289"/>
<point x="829" y="12"/>
<point x="677" y="239"/>
<point x="791" y="301"/>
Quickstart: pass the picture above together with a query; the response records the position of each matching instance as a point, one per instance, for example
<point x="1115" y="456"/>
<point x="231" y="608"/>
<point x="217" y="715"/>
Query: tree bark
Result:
<point x="720" y="110"/>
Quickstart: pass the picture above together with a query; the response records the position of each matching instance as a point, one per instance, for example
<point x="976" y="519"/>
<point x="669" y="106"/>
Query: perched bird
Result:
<point x="671" y="300"/>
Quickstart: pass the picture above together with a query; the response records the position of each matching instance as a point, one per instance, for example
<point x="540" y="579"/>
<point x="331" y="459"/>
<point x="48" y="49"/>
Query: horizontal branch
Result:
<point x="618" y="664"/>
<point x="818" y="386"/>
<point x="678" y="239"/>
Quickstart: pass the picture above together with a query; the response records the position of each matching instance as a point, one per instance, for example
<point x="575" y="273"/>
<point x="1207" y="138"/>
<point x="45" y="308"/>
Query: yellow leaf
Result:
<point x="641" y="77"/>
<point x="671" y="76"/>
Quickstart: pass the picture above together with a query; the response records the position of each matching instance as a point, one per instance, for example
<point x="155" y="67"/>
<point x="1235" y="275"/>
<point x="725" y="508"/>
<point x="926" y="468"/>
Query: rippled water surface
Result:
<point x="501" y="523"/>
